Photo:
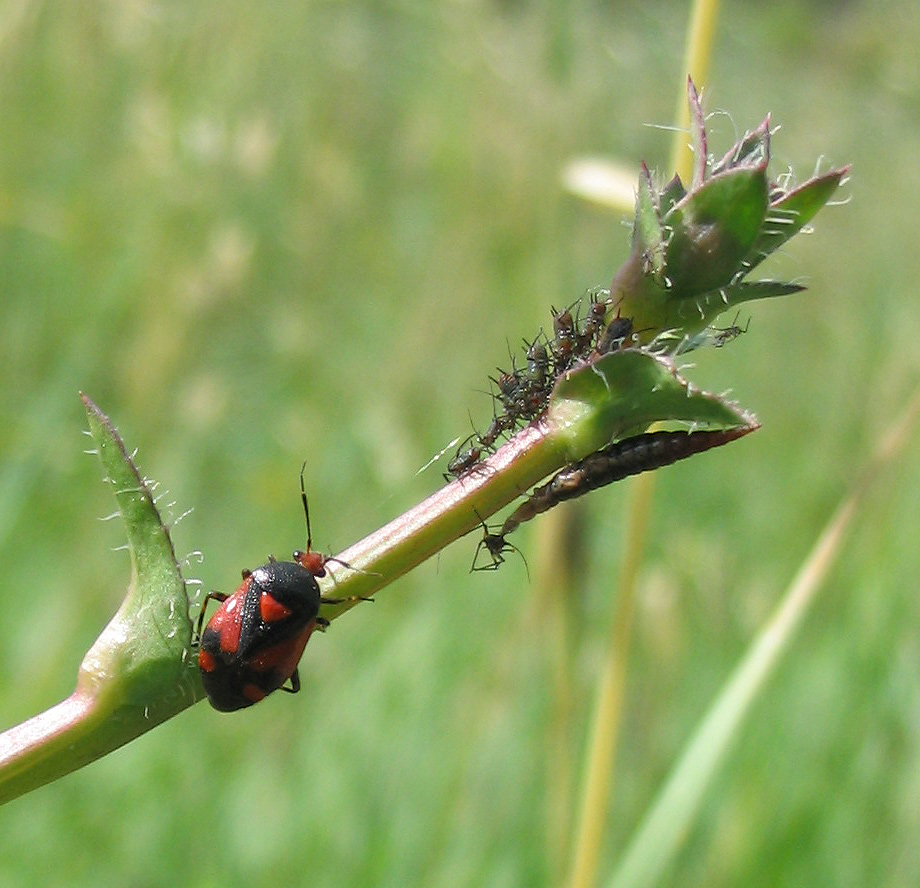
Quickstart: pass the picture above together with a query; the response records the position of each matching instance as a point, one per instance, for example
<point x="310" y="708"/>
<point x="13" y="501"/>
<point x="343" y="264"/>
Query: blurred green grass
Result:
<point x="281" y="233"/>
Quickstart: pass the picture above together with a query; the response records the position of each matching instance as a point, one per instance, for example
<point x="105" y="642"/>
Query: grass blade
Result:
<point x="667" y="824"/>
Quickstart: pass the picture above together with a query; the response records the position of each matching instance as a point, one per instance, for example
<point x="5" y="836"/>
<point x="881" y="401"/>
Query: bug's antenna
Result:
<point x="306" y="508"/>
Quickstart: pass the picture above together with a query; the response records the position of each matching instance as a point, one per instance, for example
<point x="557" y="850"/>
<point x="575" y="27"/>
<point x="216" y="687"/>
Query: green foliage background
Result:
<point x="263" y="233"/>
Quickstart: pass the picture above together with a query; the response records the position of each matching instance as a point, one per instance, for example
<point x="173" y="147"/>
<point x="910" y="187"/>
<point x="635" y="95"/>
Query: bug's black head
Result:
<point x="289" y="584"/>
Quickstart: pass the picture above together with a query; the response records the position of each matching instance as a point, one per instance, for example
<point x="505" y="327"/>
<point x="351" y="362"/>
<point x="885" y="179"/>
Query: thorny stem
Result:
<point x="110" y="706"/>
<point x="446" y="515"/>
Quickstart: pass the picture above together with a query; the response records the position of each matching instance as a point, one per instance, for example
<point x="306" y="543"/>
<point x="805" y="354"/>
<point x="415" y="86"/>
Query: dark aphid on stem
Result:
<point x="463" y="460"/>
<point x="506" y="410"/>
<point x="496" y="546"/>
<point x="537" y="364"/>
<point x="535" y="383"/>
<point x="509" y="386"/>
<point x="615" y="335"/>
<point x="501" y="423"/>
<point x="591" y="329"/>
<point x="565" y="341"/>
<point x="642" y="453"/>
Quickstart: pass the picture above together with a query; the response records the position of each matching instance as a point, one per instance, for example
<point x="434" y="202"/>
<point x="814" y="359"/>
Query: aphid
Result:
<point x="565" y="340"/>
<point x="254" y="640"/>
<point x="464" y="460"/>
<point x="522" y="395"/>
<point x="591" y="329"/>
<point x="508" y="390"/>
<point x="615" y="334"/>
<point x="537" y="363"/>
<point x="534" y="383"/>
<point x="722" y="336"/>
<point x="500" y="424"/>
<point x="497" y="546"/>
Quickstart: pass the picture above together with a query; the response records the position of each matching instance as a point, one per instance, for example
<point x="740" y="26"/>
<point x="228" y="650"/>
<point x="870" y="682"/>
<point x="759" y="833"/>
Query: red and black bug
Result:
<point x="253" y="642"/>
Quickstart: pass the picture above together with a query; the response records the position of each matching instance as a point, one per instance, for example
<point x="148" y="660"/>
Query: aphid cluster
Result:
<point x="631" y="456"/>
<point x="522" y="395"/>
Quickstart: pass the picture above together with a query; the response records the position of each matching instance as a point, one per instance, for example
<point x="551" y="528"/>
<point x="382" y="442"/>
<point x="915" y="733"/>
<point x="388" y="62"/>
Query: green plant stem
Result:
<point x="135" y="675"/>
<point x="117" y="698"/>
<point x="698" y="53"/>
<point x="446" y="515"/>
<point x="141" y="670"/>
<point x="590" y="406"/>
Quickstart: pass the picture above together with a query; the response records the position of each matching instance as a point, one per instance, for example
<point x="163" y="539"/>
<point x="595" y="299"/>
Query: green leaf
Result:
<point x="139" y="657"/>
<point x="709" y="233"/>
<point x="787" y="216"/>
<point x="625" y="392"/>
<point x="649" y="233"/>
<point x="691" y="250"/>
<point x="672" y="194"/>
<point x="138" y="672"/>
<point x="713" y="303"/>
<point x="713" y="229"/>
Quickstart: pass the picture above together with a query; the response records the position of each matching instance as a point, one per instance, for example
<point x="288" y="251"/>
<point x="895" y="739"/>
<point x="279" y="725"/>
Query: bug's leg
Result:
<point x="495" y="545"/>
<point x="295" y="684"/>
<point x="333" y="560"/>
<point x="211" y="596"/>
<point x="350" y="599"/>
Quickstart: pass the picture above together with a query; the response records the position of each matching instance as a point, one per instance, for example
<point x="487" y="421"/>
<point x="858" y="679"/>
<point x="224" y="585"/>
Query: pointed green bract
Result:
<point x="649" y="232"/>
<point x="712" y="230"/>
<point x="753" y="149"/>
<point x="672" y="193"/>
<point x="789" y="214"/>
<point x="698" y="130"/>
<point x="745" y="291"/>
<point x="693" y="249"/>
<point x="624" y="393"/>
<point x="139" y="658"/>
<point x="138" y="673"/>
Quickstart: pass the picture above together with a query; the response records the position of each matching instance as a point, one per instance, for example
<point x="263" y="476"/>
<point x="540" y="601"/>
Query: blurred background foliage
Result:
<point x="263" y="233"/>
